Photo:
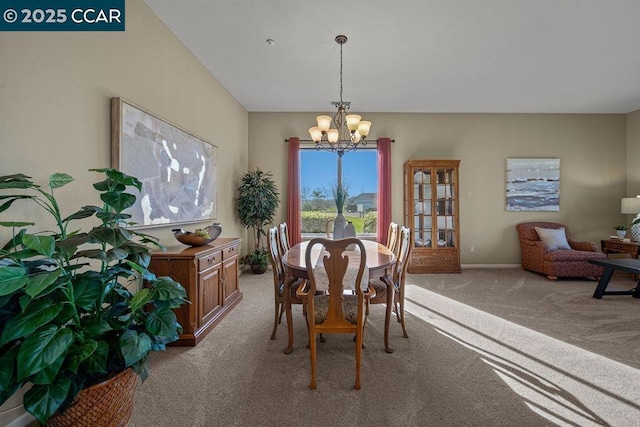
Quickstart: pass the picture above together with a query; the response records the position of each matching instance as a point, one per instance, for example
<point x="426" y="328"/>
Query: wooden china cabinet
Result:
<point x="210" y="275"/>
<point x="431" y="210"/>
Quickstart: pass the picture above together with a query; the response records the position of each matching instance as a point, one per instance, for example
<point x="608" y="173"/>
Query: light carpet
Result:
<point x="486" y="347"/>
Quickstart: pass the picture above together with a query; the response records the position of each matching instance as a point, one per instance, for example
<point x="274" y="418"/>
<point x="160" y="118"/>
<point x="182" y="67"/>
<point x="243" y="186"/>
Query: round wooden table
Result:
<point x="380" y="261"/>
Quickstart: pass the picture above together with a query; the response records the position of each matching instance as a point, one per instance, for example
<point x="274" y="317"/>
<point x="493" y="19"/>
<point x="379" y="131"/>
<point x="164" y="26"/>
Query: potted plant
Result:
<point x="68" y="323"/>
<point x="258" y="261"/>
<point x="621" y="230"/>
<point x="258" y="200"/>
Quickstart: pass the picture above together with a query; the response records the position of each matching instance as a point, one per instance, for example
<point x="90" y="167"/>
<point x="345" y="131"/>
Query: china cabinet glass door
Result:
<point x="431" y="210"/>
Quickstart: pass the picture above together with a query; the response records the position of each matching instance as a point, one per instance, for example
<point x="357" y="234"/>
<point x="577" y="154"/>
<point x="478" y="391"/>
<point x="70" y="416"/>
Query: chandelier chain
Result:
<point x="340" y="73"/>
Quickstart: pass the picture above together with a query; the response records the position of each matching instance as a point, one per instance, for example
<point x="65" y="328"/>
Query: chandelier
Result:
<point x="349" y="133"/>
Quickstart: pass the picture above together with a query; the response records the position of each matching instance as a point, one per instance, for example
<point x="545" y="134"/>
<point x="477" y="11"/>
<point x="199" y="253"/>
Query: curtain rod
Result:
<point x="311" y="140"/>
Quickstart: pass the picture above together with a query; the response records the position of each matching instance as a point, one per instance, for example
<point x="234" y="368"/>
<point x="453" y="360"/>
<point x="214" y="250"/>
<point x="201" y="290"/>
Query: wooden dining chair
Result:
<point x="399" y="273"/>
<point x="284" y="238"/>
<point x="279" y="278"/>
<point x="397" y="277"/>
<point x="334" y="311"/>
<point x="328" y="228"/>
<point x="392" y="238"/>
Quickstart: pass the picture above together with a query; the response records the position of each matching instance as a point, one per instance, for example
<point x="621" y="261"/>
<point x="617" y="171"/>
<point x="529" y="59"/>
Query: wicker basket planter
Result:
<point x="109" y="403"/>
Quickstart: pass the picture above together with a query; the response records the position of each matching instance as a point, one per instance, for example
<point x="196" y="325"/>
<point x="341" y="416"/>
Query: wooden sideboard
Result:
<point x="611" y="246"/>
<point x="210" y="275"/>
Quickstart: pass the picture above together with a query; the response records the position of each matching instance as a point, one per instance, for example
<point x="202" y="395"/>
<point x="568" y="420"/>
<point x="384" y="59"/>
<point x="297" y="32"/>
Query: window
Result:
<point x="319" y="175"/>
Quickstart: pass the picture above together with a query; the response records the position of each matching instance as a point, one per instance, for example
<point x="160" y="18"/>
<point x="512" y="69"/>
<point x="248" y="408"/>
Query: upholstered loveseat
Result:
<point x="555" y="259"/>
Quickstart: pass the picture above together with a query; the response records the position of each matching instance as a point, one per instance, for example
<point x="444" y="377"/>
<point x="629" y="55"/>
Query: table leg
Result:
<point x="604" y="281"/>
<point x="289" y="280"/>
<point x="387" y="315"/>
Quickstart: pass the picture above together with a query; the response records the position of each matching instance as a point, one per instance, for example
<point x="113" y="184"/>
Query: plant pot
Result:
<point x="621" y="233"/>
<point x="109" y="403"/>
<point x="258" y="268"/>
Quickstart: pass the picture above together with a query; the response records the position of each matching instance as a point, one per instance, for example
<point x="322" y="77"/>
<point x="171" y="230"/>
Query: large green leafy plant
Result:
<point x="67" y="319"/>
<point x="258" y="200"/>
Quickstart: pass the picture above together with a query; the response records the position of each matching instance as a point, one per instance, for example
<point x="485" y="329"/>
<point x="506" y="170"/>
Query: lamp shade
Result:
<point x="333" y="135"/>
<point x="323" y="123"/>
<point x="630" y="205"/>
<point x="363" y="128"/>
<point x="352" y="121"/>
<point x="316" y="134"/>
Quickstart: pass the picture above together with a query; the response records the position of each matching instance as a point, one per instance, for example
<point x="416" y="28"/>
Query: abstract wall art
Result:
<point x="533" y="184"/>
<point x="178" y="170"/>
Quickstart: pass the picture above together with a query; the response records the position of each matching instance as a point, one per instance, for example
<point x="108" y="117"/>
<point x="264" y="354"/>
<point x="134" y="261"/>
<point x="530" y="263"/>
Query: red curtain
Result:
<point x="294" y="219"/>
<point x="384" y="189"/>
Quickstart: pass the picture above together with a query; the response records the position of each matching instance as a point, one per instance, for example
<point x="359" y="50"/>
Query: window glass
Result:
<point x="318" y="179"/>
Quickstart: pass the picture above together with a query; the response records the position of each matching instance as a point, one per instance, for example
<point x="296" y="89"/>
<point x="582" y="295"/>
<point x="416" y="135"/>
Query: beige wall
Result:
<point x="633" y="154"/>
<point x="54" y="110"/>
<point x="590" y="149"/>
<point x="55" y="91"/>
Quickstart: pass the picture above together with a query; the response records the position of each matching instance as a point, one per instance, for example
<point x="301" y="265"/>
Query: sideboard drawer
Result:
<point x="230" y="252"/>
<point x="210" y="260"/>
<point x="437" y="261"/>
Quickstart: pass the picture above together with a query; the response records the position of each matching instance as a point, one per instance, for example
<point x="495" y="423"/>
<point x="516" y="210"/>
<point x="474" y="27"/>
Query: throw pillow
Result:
<point x="553" y="238"/>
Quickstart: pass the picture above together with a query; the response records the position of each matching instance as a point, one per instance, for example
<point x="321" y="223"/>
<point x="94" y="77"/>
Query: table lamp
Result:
<point x="631" y="205"/>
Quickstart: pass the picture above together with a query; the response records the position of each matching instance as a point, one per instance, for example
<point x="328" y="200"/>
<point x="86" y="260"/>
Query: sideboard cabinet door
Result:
<point x="230" y="275"/>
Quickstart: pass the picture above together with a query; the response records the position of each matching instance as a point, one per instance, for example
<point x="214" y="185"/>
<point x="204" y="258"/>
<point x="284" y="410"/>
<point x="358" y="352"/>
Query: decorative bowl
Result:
<point x="193" y="239"/>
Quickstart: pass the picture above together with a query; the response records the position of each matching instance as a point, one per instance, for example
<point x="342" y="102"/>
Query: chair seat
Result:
<point x="349" y="306"/>
<point x="572" y="256"/>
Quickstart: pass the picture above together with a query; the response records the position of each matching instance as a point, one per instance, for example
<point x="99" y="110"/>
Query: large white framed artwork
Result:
<point x="178" y="170"/>
<point x="533" y="184"/>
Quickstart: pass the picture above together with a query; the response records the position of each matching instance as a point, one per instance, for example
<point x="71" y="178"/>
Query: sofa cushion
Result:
<point x="572" y="256"/>
<point x="553" y="238"/>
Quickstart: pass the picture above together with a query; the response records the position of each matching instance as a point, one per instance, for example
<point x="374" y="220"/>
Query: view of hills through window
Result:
<point x="318" y="181"/>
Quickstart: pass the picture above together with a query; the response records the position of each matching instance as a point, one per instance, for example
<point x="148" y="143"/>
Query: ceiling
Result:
<point x="438" y="56"/>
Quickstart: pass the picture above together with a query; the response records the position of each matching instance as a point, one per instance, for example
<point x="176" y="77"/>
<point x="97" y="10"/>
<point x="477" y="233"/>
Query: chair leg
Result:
<point x="395" y="307"/>
<point x="358" y="355"/>
<point x="276" y="321"/>
<point x="281" y="313"/>
<point x="402" y="314"/>
<point x="312" y="346"/>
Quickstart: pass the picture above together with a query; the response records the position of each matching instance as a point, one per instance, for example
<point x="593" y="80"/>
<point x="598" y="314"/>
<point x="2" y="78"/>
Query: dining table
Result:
<point x="380" y="261"/>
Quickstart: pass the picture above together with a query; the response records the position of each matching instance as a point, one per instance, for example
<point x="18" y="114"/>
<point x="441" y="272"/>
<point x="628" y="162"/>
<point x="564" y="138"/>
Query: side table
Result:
<point x="612" y="246"/>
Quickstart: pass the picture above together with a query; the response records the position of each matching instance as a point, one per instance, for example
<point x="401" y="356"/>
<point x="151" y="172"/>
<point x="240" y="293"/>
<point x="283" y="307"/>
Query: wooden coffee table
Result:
<point x="624" y="264"/>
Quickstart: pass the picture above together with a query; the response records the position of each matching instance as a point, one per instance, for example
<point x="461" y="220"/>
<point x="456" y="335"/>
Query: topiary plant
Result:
<point x="258" y="200"/>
